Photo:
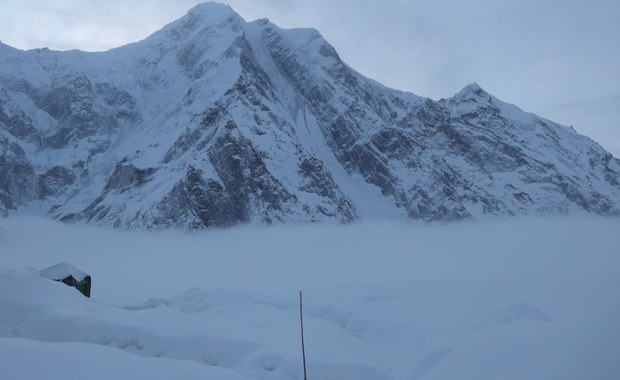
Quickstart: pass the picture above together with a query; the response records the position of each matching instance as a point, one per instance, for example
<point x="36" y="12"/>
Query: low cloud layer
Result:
<point x="303" y="257"/>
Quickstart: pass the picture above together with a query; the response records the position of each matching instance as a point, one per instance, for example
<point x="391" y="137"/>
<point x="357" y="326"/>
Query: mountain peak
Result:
<point x="474" y="89"/>
<point x="213" y="121"/>
<point x="210" y="7"/>
<point x="207" y="14"/>
<point x="472" y="92"/>
<point x="202" y="17"/>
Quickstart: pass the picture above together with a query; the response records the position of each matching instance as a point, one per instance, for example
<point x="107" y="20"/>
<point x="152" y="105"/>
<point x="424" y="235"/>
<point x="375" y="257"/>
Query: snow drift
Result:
<point x="512" y="299"/>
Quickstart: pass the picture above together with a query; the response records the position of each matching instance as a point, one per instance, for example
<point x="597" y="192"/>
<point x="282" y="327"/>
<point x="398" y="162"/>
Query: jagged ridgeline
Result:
<point x="215" y="121"/>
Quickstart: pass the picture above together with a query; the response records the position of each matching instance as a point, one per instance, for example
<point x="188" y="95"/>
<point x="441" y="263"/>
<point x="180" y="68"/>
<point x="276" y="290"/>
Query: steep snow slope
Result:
<point x="214" y="121"/>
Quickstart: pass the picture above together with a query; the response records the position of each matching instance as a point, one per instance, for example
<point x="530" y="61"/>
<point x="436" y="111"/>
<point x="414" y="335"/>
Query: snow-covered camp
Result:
<point x="68" y="275"/>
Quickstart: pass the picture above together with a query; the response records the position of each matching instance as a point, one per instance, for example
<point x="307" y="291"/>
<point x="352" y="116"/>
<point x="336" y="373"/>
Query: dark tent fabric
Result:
<point x="69" y="275"/>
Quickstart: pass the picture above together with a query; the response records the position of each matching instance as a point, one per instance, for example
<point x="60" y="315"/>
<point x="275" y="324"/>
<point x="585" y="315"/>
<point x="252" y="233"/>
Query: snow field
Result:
<point x="509" y="299"/>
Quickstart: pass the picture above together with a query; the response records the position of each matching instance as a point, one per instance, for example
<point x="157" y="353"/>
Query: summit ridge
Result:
<point x="214" y="121"/>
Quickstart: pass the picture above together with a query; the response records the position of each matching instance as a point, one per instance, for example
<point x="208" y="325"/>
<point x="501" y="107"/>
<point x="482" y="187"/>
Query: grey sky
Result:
<point x="557" y="58"/>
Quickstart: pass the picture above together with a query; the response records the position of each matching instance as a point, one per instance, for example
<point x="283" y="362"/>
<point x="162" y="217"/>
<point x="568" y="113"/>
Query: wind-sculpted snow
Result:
<point x="351" y="333"/>
<point x="244" y="335"/>
<point x="467" y="329"/>
<point x="215" y="121"/>
<point x="512" y="299"/>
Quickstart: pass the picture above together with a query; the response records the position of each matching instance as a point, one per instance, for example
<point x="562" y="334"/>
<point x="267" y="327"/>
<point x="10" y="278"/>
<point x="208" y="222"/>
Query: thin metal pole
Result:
<point x="301" y="318"/>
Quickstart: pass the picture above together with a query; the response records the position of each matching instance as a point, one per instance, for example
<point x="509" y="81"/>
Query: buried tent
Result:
<point x="70" y="275"/>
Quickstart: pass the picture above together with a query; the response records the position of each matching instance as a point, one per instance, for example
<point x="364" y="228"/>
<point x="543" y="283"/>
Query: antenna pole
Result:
<point x="301" y="318"/>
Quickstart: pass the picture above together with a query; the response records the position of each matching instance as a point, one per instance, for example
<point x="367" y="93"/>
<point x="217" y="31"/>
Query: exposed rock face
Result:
<point x="126" y="175"/>
<point x="214" y="121"/>
<point x="53" y="182"/>
<point x="17" y="178"/>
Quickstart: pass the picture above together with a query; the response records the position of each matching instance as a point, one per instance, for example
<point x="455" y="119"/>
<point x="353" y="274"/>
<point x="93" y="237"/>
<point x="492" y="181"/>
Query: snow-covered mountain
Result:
<point x="214" y="121"/>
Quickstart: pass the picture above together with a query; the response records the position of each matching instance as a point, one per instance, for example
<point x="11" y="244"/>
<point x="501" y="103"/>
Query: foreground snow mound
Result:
<point x="449" y="329"/>
<point x="27" y="359"/>
<point x="247" y="336"/>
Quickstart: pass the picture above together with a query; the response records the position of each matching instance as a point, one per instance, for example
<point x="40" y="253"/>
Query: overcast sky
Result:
<point x="557" y="58"/>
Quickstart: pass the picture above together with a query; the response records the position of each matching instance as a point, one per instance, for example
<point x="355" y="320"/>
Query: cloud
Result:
<point x="314" y="256"/>
<point x="85" y="24"/>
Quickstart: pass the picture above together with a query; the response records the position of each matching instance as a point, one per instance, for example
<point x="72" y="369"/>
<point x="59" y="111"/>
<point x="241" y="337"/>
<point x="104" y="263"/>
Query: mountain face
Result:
<point x="214" y="121"/>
